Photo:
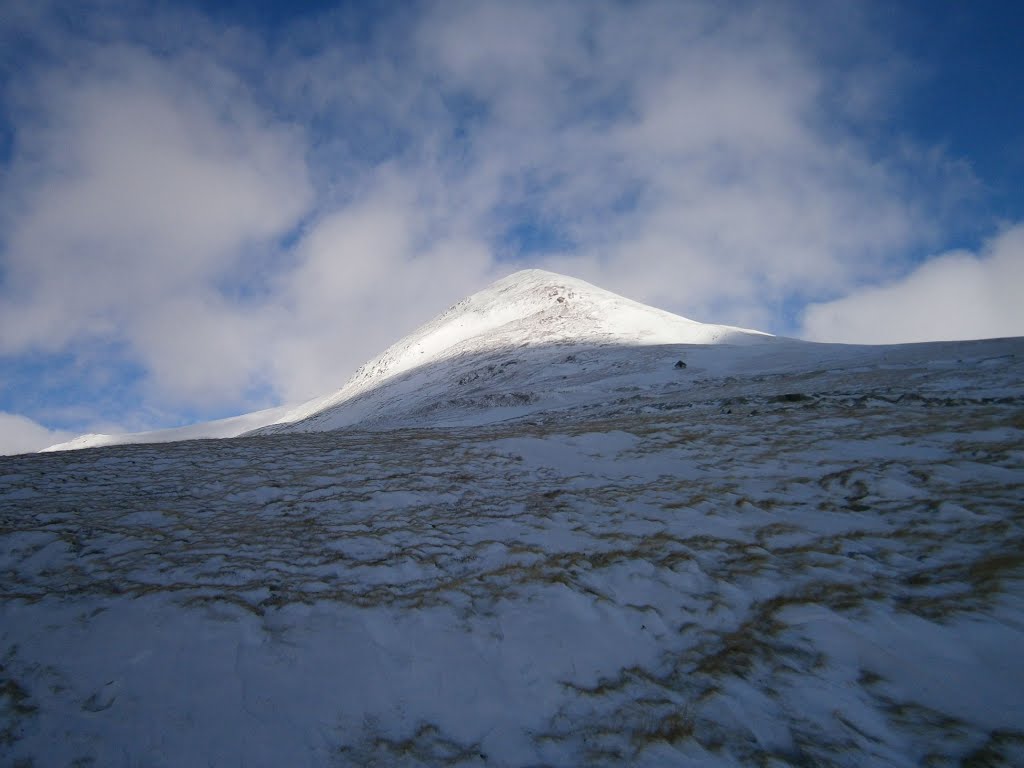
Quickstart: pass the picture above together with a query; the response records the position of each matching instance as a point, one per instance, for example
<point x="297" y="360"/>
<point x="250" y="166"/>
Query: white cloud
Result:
<point x="957" y="295"/>
<point x="685" y="151"/>
<point x="19" y="434"/>
<point x="135" y="193"/>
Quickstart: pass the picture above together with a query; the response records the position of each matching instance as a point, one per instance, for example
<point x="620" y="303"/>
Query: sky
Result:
<point x="207" y="208"/>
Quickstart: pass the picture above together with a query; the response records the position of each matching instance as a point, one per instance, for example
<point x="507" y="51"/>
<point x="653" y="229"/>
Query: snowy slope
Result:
<point x="526" y="343"/>
<point x="532" y="308"/>
<point x="229" y="427"/>
<point x="783" y="554"/>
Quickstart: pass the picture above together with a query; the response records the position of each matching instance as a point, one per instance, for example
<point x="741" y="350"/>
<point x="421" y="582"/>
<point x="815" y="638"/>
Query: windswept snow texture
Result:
<point x="781" y="554"/>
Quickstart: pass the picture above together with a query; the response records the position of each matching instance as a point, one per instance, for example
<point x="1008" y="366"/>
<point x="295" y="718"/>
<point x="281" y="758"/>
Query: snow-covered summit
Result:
<point x="535" y="310"/>
<point x="536" y="306"/>
<point x="532" y="307"/>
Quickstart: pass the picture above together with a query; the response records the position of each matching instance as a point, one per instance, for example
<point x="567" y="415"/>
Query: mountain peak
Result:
<point x="532" y="308"/>
<point x="536" y="278"/>
<point x="532" y="273"/>
<point x="528" y="308"/>
<point x="529" y="281"/>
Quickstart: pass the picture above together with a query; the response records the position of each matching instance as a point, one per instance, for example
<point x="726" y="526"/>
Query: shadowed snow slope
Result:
<point x="541" y="310"/>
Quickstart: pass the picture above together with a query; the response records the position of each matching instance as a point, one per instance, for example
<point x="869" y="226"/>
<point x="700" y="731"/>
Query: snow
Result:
<point x="784" y="553"/>
<point x="229" y="427"/>
<point x="530" y="308"/>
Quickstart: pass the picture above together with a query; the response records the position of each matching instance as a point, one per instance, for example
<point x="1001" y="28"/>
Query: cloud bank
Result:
<point x="957" y="295"/>
<point x="243" y="215"/>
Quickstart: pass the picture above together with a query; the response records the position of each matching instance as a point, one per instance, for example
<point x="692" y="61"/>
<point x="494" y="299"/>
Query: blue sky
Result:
<point x="209" y="208"/>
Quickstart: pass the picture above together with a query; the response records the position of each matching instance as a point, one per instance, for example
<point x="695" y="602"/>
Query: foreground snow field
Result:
<point x="780" y="555"/>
